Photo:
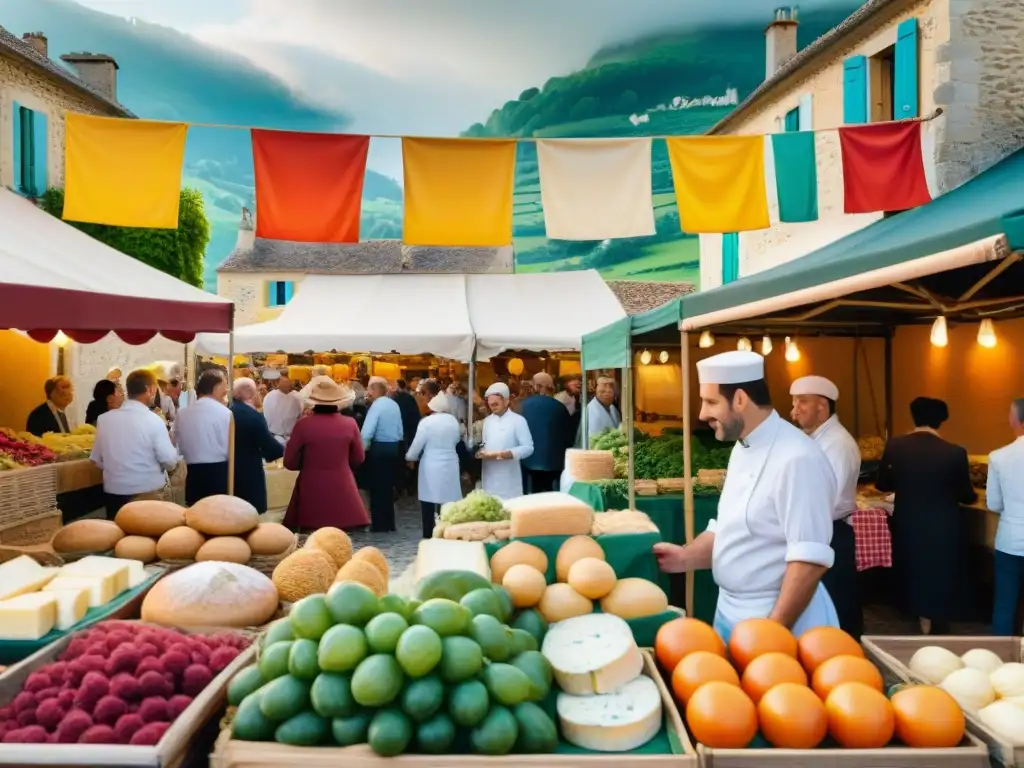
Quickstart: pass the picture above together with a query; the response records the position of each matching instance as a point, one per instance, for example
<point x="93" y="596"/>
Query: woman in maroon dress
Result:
<point x="324" y="448"/>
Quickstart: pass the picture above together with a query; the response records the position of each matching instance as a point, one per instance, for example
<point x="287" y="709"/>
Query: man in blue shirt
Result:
<point x="382" y="437"/>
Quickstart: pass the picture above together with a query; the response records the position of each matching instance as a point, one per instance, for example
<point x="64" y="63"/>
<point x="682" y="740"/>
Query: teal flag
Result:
<point x="796" y="176"/>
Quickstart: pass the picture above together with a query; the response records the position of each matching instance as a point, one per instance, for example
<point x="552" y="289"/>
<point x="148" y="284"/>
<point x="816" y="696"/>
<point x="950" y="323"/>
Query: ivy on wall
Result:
<point x="178" y="252"/>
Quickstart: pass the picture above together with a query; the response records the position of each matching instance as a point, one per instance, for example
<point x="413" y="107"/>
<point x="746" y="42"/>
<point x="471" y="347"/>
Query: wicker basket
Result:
<point x="646" y="487"/>
<point x="26" y="493"/>
<point x="588" y="466"/>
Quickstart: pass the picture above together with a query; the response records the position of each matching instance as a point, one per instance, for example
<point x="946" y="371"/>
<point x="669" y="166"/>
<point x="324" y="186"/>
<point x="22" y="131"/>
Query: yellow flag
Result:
<point x="123" y="172"/>
<point x="719" y="183"/>
<point x="458" y="191"/>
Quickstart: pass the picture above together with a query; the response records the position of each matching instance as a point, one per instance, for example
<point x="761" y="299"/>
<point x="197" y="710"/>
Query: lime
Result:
<point x="483" y="601"/>
<point x="383" y="632"/>
<point x="302" y="661"/>
<point x="422" y="697"/>
<point x="446" y="617"/>
<point x="523" y="641"/>
<point x="244" y="683"/>
<point x="351" y="730"/>
<point x="331" y="695"/>
<point x="352" y="603"/>
<point x="395" y="604"/>
<point x="504" y="600"/>
<point x="310" y="617"/>
<point x="390" y="732"/>
<point x="342" y="648"/>
<point x="377" y="681"/>
<point x="493" y="637"/>
<point x="468" y="703"/>
<point x="436" y="735"/>
<point x="277" y="632"/>
<point x="418" y="651"/>
<point x="507" y="684"/>
<point x="461" y="659"/>
<point x="274" y="660"/>
<point x="538" y="669"/>
<point x="497" y="734"/>
<point x="284" y="697"/>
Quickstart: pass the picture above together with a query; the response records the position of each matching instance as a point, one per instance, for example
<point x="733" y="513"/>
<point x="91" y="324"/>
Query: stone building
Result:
<point x="35" y="94"/>
<point x="890" y="59"/>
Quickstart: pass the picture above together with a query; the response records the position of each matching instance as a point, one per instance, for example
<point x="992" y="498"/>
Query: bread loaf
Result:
<point x="549" y="514"/>
<point x="595" y="653"/>
<point x="634" y="598"/>
<point x="225" y="549"/>
<point x="87" y="536"/>
<point x="149" y="518"/>
<point x="618" y="721"/>
<point x="212" y="593"/>
<point x="222" y="516"/>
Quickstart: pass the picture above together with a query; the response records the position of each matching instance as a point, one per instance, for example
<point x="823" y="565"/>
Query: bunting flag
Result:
<point x="596" y="189"/>
<point x="883" y="167"/>
<point x="719" y="182"/>
<point x="123" y="172"/>
<point x="796" y="176"/>
<point x="309" y="186"/>
<point x="458" y="192"/>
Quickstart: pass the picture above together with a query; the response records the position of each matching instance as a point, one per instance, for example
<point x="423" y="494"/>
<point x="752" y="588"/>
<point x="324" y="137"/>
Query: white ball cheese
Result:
<point x="619" y="721"/>
<point x="594" y="653"/>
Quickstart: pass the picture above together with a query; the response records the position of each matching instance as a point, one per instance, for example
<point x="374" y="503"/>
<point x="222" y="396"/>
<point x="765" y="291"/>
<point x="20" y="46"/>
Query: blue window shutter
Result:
<point x="905" y="87"/>
<point x="16" y="146"/>
<point x="271" y="293"/>
<point x="28" y="151"/>
<point x="855" y="90"/>
<point x="39" y="127"/>
<point x="806" y="113"/>
<point x="289" y="289"/>
<point x="730" y="257"/>
<point x="792" y="121"/>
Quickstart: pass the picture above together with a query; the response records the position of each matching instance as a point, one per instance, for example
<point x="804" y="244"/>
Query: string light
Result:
<point x="744" y="345"/>
<point x="792" y="351"/>
<point x="940" y="334"/>
<point x="663" y="356"/>
<point x="987" y="334"/>
<point x="766" y="345"/>
<point x="645" y="357"/>
<point x="707" y="340"/>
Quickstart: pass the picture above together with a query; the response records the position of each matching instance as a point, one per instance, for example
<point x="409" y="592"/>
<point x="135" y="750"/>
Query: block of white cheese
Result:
<point x="619" y="721"/>
<point x="136" y="572"/>
<point x="96" y="566"/>
<point x="594" y="653"/>
<point x="72" y="605"/>
<point x="28" y="617"/>
<point x="21" y="575"/>
<point x="101" y="589"/>
<point x="549" y="514"/>
<point x="445" y="555"/>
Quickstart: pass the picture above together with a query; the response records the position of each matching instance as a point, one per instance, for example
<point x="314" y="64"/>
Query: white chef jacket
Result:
<point x="202" y="432"/>
<point x="776" y="507"/>
<point x="843" y="454"/>
<point x="600" y="418"/>
<point x="133" y="449"/>
<point x="568" y="401"/>
<point x="434" y="448"/>
<point x="281" y="412"/>
<point x="508" y="432"/>
<point x="1005" y="495"/>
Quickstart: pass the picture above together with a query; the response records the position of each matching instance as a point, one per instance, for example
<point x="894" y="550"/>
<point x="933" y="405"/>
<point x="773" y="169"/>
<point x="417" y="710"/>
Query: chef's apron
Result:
<point x="735" y="607"/>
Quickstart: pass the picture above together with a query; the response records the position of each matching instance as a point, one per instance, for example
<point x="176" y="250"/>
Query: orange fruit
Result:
<point x="792" y="717"/>
<point x="698" y="668"/>
<point x="769" y="670"/>
<point x="679" y="637"/>
<point x="722" y="716"/>
<point x="927" y="717"/>
<point x="820" y="644"/>
<point x="755" y="637"/>
<point x="860" y="717"/>
<point x="845" y="669"/>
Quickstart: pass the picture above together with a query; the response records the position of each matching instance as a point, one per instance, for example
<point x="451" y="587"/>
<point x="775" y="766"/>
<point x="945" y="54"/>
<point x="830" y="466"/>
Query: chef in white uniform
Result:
<point x="814" y="411"/>
<point x="506" y="441"/>
<point x="434" y="447"/>
<point x="601" y="411"/>
<point x="769" y="547"/>
<point x="281" y="407"/>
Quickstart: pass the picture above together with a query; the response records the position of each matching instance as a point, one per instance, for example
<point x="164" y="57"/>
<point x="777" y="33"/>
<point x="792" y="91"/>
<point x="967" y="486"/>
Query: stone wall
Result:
<point x="248" y="291"/>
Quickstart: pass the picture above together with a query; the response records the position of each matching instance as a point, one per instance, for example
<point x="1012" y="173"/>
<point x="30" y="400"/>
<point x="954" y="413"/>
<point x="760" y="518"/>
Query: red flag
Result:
<point x="883" y="167"/>
<point x="309" y="186"/>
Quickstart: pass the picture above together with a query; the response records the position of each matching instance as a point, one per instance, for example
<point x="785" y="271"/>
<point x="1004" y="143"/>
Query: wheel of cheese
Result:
<point x="560" y="602"/>
<point x="374" y="557"/>
<point x="619" y="721"/>
<point x="305" y="572"/>
<point x="181" y="543"/>
<point x="573" y="549"/>
<point x="141" y="548"/>
<point x="633" y="598"/>
<point x="87" y="536"/>
<point x="225" y="549"/>
<point x="517" y="553"/>
<point x="211" y="593"/>
<point x="525" y="584"/>
<point x="222" y="516"/>
<point x="591" y="577"/>
<point x="269" y="539"/>
<point x="150" y="518"/>
<point x="592" y="654"/>
<point x="336" y="543"/>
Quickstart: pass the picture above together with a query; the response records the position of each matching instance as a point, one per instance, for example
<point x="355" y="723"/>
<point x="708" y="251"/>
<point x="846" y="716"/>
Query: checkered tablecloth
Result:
<point x="871" y="533"/>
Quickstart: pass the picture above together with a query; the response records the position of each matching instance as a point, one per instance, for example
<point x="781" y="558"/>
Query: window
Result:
<point x="30" y="138"/>
<point x="791" y="123"/>
<point x="279" y="292"/>
<point x="882" y="78"/>
<point x="730" y="257"/>
<point x="885" y="86"/>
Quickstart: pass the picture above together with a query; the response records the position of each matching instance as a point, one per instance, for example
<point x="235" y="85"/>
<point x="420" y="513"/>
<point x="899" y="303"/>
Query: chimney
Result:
<point x="246" y="232"/>
<point x="38" y="41"/>
<point x="97" y="70"/>
<point x="780" y="40"/>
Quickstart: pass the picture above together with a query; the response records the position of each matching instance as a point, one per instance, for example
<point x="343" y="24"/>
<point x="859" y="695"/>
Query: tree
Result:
<point x="528" y="94"/>
<point x="626" y="102"/>
<point x="178" y="252"/>
<point x="585" y="108"/>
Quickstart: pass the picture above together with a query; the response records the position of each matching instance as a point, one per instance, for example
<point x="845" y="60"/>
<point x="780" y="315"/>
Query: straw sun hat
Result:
<point x="325" y="391"/>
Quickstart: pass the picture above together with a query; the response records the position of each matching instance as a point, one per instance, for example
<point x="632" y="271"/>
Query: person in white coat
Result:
<point x="601" y="411"/>
<point x="437" y="435"/>
<point x="769" y="547"/>
<point x="506" y="441"/>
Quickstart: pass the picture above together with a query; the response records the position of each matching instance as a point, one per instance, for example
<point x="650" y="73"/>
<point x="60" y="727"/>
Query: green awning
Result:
<point x="665" y="316"/>
<point x="611" y="346"/>
<point x="988" y="205"/>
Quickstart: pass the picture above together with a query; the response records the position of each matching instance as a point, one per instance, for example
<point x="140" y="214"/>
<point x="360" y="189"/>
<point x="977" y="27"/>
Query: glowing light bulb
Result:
<point x="663" y="356"/>
<point x="645" y="357"/>
<point x="707" y="340"/>
<point x="792" y="351"/>
<point x="744" y="345"/>
<point x="766" y="345"/>
<point x="60" y="339"/>
<point x="940" y="334"/>
<point x="987" y="334"/>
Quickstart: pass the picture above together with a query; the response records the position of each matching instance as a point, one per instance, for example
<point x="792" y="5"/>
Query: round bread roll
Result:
<point x="226" y="549"/>
<point x="573" y="549"/>
<point x="269" y="539"/>
<point x="222" y="516"/>
<point x="87" y="536"/>
<point x="140" y="548"/>
<point x="150" y="518"/>
<point x="181" y="543"/>
<point x="634" y="598"/>
<point x="224" y="594"/>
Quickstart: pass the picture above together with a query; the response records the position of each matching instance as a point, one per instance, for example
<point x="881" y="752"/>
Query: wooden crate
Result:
<point x="169" y="753"/>
<point x="32" y="529"/>
<point x="893" y="654"/>
<point x="255" y="754"/>
<point x="27" y="493"/>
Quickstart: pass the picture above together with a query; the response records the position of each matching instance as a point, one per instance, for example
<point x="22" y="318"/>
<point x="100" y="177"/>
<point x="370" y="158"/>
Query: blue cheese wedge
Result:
<point x="619" y="721"/>
<point x="28" y="617"/>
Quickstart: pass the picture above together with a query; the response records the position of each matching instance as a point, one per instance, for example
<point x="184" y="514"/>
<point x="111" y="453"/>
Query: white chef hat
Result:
<point x="270" y="374"/>
<point x="497" y="388"/>
<point x="734" y="367"/>
<point x="815" y="385"/>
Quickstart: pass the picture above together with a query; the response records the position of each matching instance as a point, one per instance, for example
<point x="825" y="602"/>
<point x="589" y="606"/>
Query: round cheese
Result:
<point x="87" y="536"/>
<point x="222" y="516"/>
<point x="336" y="543"/>
<point x="591" y="577"/>
<point x="591" y="654"/>
<point x="211" y="593"/>
<point x="150" y="518"/>
<point x="560" y="602"/>
<point x="573" y="549"/>
<point x="634" y="598"/>
<point x="226" y="549"/>
<point x="517" y="553"/>
<point x="619" y="721"/>
<point x="181" y="543"/>
<point x="141" y="548"/>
